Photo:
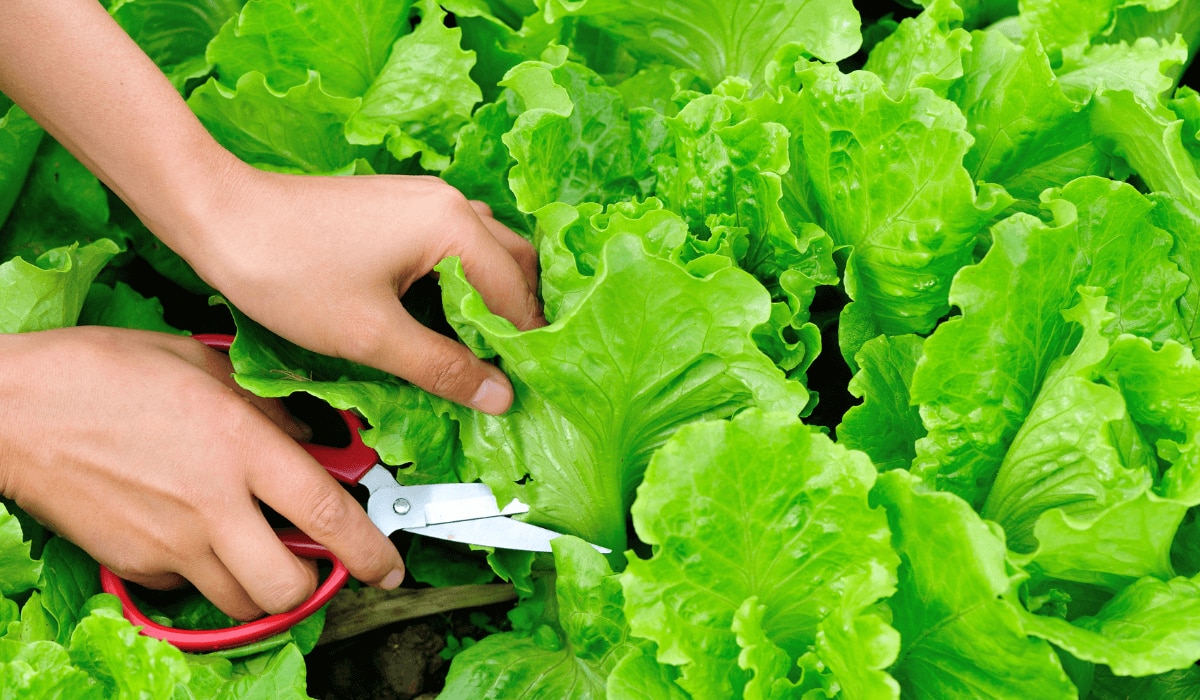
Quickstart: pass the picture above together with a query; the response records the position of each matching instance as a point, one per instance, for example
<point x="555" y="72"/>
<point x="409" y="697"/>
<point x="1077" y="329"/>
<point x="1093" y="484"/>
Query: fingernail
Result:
<point x="394" y="578"/>
<point x="492" y="397"/>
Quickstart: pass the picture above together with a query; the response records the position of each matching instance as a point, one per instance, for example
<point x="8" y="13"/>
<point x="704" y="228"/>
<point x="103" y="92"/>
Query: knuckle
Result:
<point x="451" y="375"/>
<point x="329" y="515"/>
<point x="286" y="593"/>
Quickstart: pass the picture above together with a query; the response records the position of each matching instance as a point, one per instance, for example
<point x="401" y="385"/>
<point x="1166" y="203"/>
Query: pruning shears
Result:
<point x="457" y="512"/>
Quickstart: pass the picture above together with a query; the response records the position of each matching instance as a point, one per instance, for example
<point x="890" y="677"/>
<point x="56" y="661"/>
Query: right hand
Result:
<point x="141" y="449"/>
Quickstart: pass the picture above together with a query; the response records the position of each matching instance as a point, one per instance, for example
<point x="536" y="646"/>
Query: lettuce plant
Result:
<point x="872" y="342"/>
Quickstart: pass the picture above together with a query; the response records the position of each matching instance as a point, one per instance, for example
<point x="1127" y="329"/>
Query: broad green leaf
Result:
<point x="69" y="578"/>
<point x="121" y="306"/>
<point x="925" y="51"/>
<point x="981" y="371"/>
<point x="763" y="508"/>
<point x="1028" y="134"/>
<point x="1063" y="23"/>
<point x="570" y="661"/>
<point x="441" y="563"/>
<point x="890" y="180"/>
<point x="639" y="677"/>
<point x="1172" y="685"/>
<point x="609" y="381"/>
<point x="347" y="43"/>
<point x="300" y="130"/>
<point x="716" y="39"/>
<point x="49" y="292"/>
<point x="126" y="664"/>
<point x="1152" y="626"/>
<point x="42" y="671"/>
<point x="721" y="171"/>
<point x="19" y="139"/>
<point x="423" y="95"/>
<point x="1146" y="67"/>
<point x="1136" y="20"/>
<point x="885" y="425"/>
<point x="572" y="140"/>
<point x="961" y="631"/>
<point x="412" y="85"/>
<point x="1081" y="483"/>
<point x="175" y="33"/>
<point x="18" y="571"/>
<point x="571" y="241"/>
<point x="61" y="204"/>
<point x="481" y="162"/>
<point x="1183" y="223"/>
<point x="277" y="674"/>
<point x="1150" y="139"/>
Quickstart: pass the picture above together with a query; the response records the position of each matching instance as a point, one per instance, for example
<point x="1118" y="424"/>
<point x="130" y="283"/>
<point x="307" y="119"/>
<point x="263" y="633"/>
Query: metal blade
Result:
<point x="499" y="532"/>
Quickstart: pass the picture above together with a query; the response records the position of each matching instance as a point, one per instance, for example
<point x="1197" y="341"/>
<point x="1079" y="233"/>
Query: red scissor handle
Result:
<point x="346" y="464"/>
<point x="229" y="637"/>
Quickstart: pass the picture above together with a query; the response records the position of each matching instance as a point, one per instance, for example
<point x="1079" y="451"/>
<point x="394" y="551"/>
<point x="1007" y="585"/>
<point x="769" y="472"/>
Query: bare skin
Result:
<point x="138" y="446"/>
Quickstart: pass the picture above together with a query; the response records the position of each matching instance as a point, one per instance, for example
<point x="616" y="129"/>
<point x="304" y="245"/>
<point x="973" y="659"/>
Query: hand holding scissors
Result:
<point x="457" y="512"/>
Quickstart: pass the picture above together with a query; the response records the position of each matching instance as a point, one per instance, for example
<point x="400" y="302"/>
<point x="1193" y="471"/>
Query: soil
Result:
<point x="399" y="662"/>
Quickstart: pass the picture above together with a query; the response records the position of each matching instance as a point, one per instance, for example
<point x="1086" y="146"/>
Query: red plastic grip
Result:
<point x="211" y="640"/>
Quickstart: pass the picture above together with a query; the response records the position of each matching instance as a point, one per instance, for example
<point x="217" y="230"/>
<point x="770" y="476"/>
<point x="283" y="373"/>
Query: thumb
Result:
<point x="397" y="343"/>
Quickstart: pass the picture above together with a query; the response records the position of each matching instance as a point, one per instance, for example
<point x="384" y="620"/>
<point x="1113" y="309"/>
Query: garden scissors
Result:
<point x="465" y="513"/>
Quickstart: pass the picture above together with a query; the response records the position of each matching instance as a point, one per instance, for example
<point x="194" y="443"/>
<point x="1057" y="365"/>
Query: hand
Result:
<point x="322" y="261"/>
<point x="140" y="448"/>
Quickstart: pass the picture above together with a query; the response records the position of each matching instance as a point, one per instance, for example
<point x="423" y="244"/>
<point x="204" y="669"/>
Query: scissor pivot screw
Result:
<point x="401" y="506"/>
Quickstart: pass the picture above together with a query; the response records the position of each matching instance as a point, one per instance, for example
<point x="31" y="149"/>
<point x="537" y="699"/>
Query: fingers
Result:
<point x="521" y="250"/>
<point x="503" y="267"/>
<point x="273" y="578"/>
<point x="221" y="588"/>
<point x="300" y="490"/>
<point x="397" y="343"/>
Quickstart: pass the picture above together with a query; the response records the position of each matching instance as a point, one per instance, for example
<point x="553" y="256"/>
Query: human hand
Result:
<point x="322" y="261"/>
<point x="146" y="435"/>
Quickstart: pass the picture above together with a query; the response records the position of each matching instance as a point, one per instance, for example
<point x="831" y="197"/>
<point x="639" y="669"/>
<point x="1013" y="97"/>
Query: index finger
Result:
<point x="300" y="489"/>
<point x="500" y="278"/>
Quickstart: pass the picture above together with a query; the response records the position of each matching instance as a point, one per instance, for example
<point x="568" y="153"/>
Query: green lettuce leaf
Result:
<point x="246" y="121"/>
<point x="758" y="511"/>
<point x="960" y="627"/>
<point x="982" y="370"/>
<point x="589" y="408"/>
<point x="1152" y="626"/>
<point x="482" y="162"/>
<point x="61" y="204"/>
<point x="572" y="141"/>
<point x="715" y="39"/>
<point x="567" y="659"/>
<point x="1029" y="135"/>
<point x="19" y="139"/>
<point x="175" y="34"/>
<point x="19" y="572"/>
<point x="885" y="425"/>
<point x="925" y="51"/>
<point x="1063" y="23"/>
<point x="1145" y="67"/>
<point x="412" y="85"/>
<point x="49" y="292"/>
<point x="124" y="662"/>
<point x="1081" y="478"/>
<point x="43" y="671"/>
<point x="121" y="306"/>
<point x="911" y="226"/>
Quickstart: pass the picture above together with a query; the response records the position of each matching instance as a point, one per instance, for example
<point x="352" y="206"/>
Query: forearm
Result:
<point x="69" y="65"/>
